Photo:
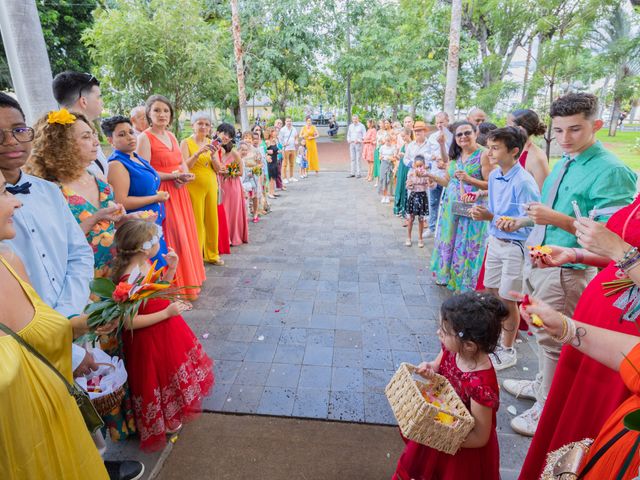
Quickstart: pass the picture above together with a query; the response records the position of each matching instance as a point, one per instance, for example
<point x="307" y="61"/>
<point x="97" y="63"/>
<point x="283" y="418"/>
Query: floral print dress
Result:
<point x="120" y="421"/>
<point x="460" y="242"/>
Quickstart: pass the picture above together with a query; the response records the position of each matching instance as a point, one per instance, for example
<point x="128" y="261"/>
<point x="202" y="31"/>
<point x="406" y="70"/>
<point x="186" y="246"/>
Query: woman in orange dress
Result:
<point x="368" y="146"/>
<point x="160" y="146"/>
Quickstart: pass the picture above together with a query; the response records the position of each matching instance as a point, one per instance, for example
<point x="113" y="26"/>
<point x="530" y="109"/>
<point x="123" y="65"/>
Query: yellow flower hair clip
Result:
<point x="62" y="116"/>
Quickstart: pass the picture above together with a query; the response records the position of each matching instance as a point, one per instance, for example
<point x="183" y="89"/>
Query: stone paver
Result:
<point x="314" y="315"/>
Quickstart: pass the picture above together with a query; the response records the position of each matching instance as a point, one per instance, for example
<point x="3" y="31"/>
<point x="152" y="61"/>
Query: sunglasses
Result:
<point x="86" y="84"/>
<point x="466" y="133"/>
<point x="21" y="134"/>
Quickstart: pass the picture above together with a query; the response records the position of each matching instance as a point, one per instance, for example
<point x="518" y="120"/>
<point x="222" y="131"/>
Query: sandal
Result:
<point x="420" y="244"/>
<point x="408" y="243"/>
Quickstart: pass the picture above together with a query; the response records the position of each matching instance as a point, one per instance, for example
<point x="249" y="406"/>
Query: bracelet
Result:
<point x="579" y="255"/>
<point x="632" y="266"/>
<point x="630" y="257"/>
<point x="568" y="330"/>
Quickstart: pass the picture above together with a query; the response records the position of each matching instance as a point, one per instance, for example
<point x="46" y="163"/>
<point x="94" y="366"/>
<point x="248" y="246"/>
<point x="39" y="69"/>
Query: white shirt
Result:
<point x="356" y="132"/>
<point x="53" y="249"/>
<point x="412" y="150"/>
<point x="387" y="152"/>
<point x="287" y="137"/>
<point x="434" y="150"/>
<point x="96" y="165"/>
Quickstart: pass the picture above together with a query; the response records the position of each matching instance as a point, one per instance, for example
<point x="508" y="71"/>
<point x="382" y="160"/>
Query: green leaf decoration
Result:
<point x="632" y="420"/>
<point x="103" y="287"/>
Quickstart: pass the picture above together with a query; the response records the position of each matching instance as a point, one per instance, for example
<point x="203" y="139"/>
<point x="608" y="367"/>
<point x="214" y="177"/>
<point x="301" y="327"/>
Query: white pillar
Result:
<point x="27" y="56"/>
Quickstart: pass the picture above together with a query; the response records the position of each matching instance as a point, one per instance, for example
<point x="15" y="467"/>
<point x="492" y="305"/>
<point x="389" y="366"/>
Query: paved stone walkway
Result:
<point x="314" y="315"/>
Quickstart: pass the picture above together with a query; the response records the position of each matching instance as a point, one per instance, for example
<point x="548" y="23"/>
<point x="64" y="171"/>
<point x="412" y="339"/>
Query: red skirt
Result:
<point x="224" y="247"/>
<point x="419" y="462"/>
<point x="169" y="375"/>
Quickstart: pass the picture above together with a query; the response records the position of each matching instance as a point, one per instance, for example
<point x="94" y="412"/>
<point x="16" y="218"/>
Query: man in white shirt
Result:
<point x="355" y="136"/>
<point x="80" y="92"/>
<point x="138" y="117"/>
<point x="436" y="166"/>
<point x="288" y="138"/>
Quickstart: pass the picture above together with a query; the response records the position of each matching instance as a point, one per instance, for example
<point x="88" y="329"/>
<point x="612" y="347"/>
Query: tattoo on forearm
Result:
<point x="580" y="333"/>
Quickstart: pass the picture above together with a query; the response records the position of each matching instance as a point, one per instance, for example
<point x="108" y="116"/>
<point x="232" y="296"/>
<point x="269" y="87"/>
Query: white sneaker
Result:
<point x="408" y="243"/>
<point x="520" y="388"/>
<point x="285" y="181"/>
<point x="504" y="358"/>
<point x="527" y="422"/>
<point x="386" y="200"/>
<point x="382" y="200"/>
<point x="294" y="179"/>
<point x="375" y="185"/>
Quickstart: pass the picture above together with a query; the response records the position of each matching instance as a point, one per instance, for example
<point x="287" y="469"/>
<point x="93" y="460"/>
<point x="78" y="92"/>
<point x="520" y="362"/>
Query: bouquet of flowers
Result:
<point x="257" y="170"/>
<point x="233" y="170"/>
<point x="123" y="300"/>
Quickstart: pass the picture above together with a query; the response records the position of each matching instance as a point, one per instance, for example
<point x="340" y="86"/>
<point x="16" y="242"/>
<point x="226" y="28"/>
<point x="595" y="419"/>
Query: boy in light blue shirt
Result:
<point x="511" y="188"/>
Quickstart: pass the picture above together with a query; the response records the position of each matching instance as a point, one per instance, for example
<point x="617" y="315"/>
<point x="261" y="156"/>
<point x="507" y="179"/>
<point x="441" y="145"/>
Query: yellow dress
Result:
<point x="42" y="433"/>
<point x="204" y="199"/>
<point x="312" y="147"/>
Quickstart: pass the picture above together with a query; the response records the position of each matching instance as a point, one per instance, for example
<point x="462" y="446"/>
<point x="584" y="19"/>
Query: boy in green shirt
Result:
<point x="599" y="184"/>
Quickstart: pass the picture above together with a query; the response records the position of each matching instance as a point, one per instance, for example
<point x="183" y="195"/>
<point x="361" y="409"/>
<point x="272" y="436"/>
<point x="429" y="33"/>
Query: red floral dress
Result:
<point x="419" y="462"/>
<point x="169" y="375"/>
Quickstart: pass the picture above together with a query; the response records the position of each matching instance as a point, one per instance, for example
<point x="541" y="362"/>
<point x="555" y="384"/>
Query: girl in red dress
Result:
<point x="169" y="373"/>
<point x="469" y="330"/>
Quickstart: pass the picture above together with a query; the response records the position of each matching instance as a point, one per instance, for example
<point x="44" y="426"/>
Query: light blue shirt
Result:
<point x="508" y="196"/>
<point x="53" y="248"/>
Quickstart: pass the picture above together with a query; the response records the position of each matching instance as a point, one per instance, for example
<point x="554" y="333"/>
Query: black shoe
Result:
<point x="350" y="176"/>
<point x="125" y="470"/>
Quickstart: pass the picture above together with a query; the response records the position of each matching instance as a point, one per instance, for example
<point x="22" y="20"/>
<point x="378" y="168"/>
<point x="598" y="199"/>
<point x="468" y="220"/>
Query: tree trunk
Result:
<point x="603" y="96"/>
<point x="527" y="65"/>
<point x="237" y="49"/>
<point x="414" y="106"/>
<point x="615" y="113"/>
<point x="548" y="138"/>
<point x="27" y="57"/>
<point x="450" y="91"/>
<point x="634" y="110"/>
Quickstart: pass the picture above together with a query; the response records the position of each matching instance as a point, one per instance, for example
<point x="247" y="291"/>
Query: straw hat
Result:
<point x="420" y="125"/>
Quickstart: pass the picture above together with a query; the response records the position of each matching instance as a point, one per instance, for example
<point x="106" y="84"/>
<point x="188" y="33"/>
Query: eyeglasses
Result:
<point x="21" y="134"/>
<point x="466" y="133"/>
<point x="89" y="82"/>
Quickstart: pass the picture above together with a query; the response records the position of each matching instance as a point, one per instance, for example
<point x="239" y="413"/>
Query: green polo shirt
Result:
<point x="598" y="181"/>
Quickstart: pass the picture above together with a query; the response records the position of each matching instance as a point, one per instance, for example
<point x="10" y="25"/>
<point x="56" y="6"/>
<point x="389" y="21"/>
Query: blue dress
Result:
<point x="144" y="181"/>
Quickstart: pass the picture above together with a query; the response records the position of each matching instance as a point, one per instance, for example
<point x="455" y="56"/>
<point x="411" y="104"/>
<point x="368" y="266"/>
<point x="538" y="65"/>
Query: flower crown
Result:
<point x="154" y="240"/>
<point x="62" y="117"/>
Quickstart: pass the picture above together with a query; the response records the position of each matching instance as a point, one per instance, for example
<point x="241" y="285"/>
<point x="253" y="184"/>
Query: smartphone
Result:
<point x="576" y="209"/>
<point x="215" y="141"/>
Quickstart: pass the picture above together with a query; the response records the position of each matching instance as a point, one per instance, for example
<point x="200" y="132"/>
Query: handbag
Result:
<point x="566" y="462"/>
<point x="91" y="417"/>
<point x="461" y="209"/>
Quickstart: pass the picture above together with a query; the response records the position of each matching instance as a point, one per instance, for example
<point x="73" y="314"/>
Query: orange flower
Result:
<point x="121" y="293"/>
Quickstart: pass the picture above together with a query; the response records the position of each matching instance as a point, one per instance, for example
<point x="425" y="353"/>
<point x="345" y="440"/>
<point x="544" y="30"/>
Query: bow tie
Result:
<point x="24" y="189"/>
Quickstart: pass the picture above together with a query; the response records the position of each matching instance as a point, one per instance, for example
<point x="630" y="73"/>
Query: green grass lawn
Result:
<point x="622" y="145"/>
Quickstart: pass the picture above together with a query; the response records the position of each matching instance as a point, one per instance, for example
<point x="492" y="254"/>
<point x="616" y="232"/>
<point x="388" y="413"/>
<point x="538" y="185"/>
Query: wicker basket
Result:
<point x="108" y="402"/>
<point x="415" y="415"/>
